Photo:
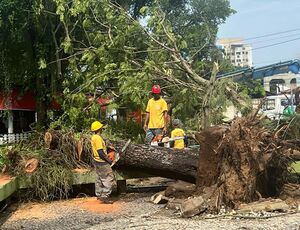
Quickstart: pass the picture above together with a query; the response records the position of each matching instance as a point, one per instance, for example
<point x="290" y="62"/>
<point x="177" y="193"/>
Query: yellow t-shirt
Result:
<point x="156" y="110"/>
<point x="97" y="143"/>
<point x="178" y="144"/>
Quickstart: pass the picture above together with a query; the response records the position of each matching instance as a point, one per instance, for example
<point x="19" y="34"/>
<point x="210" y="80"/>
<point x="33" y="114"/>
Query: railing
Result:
<point x="13" y="138"/>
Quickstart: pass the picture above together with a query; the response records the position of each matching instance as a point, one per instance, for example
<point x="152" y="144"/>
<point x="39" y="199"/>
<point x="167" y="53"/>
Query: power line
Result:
<point x="287" y="36"/>
<point x="275" y="44"/>
<point x="272" y="34"/>
<point x="272" y="61"/>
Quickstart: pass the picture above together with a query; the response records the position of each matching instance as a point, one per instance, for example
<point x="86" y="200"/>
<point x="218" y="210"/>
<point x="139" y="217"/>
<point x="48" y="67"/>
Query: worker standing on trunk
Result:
<point x="156" y="115"/>
<point x="104" y="173"/>
<point x="178" y="132"/>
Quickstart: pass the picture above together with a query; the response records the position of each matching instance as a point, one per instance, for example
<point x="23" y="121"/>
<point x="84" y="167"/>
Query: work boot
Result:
<point x="105" y="200"/>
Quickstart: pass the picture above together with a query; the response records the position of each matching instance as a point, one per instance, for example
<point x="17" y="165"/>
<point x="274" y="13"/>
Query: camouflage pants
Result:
<point x="104" y="180"/>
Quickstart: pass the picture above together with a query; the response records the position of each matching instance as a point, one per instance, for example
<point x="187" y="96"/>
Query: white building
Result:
<point x="237" y="51"/>
<point x="281" y="82"/>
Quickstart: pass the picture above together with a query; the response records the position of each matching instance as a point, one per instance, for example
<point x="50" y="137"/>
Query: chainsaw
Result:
<point x="113" y="155"/>
<point x="167" y="139"/>
<point x="157" y="140"/>
<point x="160" y="140"/>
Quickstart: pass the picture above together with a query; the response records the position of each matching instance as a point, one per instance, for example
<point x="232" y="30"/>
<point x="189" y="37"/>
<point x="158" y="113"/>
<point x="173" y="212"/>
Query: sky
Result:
<point x="255" y="18"/>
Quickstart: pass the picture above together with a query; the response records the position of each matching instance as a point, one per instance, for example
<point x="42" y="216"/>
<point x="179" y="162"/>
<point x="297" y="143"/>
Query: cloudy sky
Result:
<point x="260" y="18"/>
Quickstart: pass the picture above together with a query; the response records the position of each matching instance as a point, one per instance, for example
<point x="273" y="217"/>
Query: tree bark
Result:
<point x="206" y="100"/>
<point x="159" y="161"/>
<point x="41" y="107"/>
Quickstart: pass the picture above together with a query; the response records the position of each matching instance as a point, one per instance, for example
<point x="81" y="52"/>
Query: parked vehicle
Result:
<point x="274" y="105"/>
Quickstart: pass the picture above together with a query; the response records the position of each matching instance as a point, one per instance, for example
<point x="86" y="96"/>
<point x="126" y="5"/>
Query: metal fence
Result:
<point x="13" y="138"/>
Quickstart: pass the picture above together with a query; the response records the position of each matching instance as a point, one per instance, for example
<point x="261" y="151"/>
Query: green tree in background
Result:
<point x="253" y="88"/>
<point x="28" y="39"/>
<point x="114" y="49"/>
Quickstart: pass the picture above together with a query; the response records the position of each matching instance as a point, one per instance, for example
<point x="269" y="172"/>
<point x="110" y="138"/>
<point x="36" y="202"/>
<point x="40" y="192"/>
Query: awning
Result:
<point x="103" y="102"/>
<point x="16" y="101"/>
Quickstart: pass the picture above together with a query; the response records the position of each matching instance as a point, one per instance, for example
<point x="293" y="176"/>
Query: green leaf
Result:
<point x="42" y="64"/>
<point x="183" y="44"/>
<point x="143" y="10"/>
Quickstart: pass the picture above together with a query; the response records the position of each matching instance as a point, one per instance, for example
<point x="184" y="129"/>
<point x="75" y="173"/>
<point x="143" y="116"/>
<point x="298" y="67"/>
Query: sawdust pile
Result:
<point x="241" y="163"/>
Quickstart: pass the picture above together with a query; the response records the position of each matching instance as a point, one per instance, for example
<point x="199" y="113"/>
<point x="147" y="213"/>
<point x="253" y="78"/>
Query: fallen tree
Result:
<point x="158" y="161"/>
<point x="237" y="163"/>
<point x="241" y="163"/>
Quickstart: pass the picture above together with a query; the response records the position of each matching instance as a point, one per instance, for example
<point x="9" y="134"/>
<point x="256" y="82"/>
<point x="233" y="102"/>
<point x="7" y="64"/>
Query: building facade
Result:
<point x="236" y="51"/>
<point x="281" y="82"/>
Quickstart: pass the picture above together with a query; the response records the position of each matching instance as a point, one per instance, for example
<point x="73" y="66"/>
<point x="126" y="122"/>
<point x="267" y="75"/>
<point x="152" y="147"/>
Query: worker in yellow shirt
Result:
<point x="156" y="115"/>
<point x="104" y="173"/>
<point x="178" y="132"/>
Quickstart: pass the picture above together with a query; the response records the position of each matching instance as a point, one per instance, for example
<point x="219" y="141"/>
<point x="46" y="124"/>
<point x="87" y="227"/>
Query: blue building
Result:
<point x="275" y="78"/>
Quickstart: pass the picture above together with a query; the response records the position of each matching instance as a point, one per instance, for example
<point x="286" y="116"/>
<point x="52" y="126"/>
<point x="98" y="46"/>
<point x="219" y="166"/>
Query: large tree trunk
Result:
<point x="137" y="158"/>
<point x="41" y="107"/>
<point x="171" y="163"/>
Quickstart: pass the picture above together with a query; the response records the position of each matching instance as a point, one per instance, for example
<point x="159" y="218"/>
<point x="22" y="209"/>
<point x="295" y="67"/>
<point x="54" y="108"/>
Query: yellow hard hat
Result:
<point x="96" y="125"/>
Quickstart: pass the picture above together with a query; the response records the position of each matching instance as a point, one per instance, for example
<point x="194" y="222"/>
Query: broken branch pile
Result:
<point x="47" y="161"/>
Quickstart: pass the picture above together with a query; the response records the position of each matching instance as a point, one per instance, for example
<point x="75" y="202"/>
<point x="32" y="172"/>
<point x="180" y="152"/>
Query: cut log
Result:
<point x="192" y="207"/>
<point x="31" y="165"/>
<point x="79" y="148"/>
<point x="156" y="195"/>
<point x="290" y="190"/>
<point x="174" y="204"/>
<point x="179" y="189"/>
<point x="159" y="198"/>
<point x="160" y="161"/>
<point x="48" y="139"/>
<point x="269" y="205"/>
<point x="52" y="138"/>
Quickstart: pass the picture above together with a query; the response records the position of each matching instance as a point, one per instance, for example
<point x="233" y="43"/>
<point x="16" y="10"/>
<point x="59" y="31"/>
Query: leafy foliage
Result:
<point x="72" y="50"/>
<point x="53" y="177"/>
<point x="253" y="88"/>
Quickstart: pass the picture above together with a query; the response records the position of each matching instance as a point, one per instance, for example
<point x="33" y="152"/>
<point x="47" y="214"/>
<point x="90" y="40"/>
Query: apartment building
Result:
<point x="237" y="51"/>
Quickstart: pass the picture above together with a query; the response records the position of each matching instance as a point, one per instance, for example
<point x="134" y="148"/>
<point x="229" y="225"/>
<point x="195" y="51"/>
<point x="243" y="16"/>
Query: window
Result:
<point x="293" y="83"/>
<point x="276" y="85"/>
<point x="3" y="123"/>
<point x="238" y="53"/>
<point x="284" y="102"/>
<point x="23" y="120"/>
<point x="269" y="104"/>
